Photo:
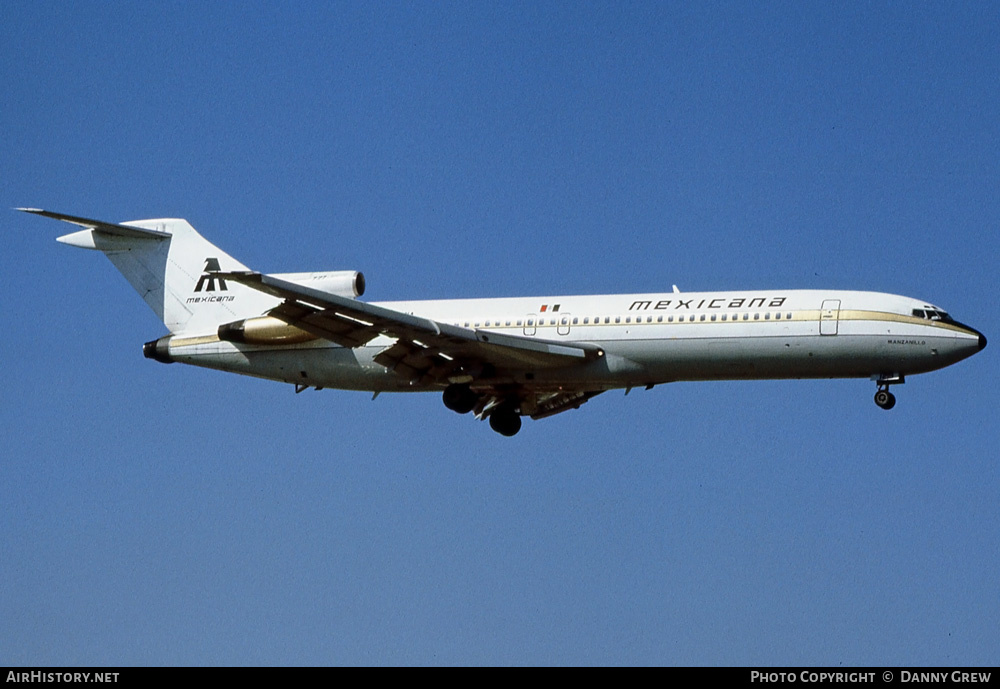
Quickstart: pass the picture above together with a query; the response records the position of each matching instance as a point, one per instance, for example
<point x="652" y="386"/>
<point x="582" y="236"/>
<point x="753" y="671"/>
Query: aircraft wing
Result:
<point x="425" y="350"/>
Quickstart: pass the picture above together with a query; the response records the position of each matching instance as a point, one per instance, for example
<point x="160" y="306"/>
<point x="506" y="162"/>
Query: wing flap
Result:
<point x="537" y="406"/>
<point x="417" y="361"/>
<point x="562" y="401"/>
<point x="346" y="332"/>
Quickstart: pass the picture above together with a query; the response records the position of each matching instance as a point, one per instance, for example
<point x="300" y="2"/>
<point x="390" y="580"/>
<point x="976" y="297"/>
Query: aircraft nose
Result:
<point x="973" y="331"/>
<point x="982" y="338"/>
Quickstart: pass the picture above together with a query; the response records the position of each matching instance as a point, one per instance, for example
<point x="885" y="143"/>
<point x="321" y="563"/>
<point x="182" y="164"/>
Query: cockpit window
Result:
<point x="932" y="315"/>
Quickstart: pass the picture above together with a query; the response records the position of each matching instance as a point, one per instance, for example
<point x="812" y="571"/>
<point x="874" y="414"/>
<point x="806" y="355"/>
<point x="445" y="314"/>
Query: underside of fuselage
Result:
<point x="626" y="364"/>
<point x="884" y="350"/>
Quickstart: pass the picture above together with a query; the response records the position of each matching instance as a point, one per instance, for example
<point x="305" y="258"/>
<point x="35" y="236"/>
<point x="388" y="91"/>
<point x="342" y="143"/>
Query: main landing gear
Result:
<point x="883" y="397"/>
<point x="460" y="398"/>
<point x="505" y="420"/>
<point x="504" y="417"/>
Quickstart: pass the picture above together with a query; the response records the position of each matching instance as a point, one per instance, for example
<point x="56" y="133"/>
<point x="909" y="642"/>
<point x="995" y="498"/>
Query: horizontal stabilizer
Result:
<point x="101" y="226"/>
<point x="166" y="261"/>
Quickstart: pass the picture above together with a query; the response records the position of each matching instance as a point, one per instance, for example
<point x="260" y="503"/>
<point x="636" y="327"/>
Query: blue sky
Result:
<point x="169" y="515"/>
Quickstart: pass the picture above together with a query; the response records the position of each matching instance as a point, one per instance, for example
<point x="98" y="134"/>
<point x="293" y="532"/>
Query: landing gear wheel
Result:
<point x="460" y="398"/>
<point x="505" y="421"/>
<point x="885" y="399"/>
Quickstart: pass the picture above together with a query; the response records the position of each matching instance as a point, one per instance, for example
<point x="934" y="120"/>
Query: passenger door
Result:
<point x="829" y="316"/>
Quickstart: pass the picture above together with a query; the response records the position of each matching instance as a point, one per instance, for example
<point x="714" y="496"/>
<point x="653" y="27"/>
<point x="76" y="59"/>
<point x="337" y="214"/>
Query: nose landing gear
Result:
<point x="884" y="398"/>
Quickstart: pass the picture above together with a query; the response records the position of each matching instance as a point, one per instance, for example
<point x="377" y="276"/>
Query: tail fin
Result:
<point x="169" y="264"/>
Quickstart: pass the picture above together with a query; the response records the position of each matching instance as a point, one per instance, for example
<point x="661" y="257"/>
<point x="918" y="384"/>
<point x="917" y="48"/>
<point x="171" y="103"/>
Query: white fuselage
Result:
<point x="647" y="339"/>
<point x="506" y="358"/>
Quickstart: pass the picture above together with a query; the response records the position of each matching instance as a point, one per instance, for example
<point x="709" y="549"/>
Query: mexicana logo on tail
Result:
<point x="207" y="280"/>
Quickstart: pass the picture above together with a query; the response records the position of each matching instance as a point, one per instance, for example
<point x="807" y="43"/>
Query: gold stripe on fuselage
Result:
<point x="807" y="315"/>
<point x="191" y="341"/>
<point x="855" y="315"/>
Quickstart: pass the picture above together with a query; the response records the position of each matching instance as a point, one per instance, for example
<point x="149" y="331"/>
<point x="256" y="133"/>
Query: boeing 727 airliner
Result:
<point x="507" y="358"/>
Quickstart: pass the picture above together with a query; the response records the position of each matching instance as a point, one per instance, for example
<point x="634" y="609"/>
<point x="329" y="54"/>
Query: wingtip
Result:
<point x="30" y="210"/>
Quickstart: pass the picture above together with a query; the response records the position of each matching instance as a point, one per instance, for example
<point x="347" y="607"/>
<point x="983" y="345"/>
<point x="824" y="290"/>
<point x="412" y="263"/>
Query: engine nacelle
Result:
<point x="341" y="283"/>
<point x="263" y="330"/>
<point x="158" y="350"/>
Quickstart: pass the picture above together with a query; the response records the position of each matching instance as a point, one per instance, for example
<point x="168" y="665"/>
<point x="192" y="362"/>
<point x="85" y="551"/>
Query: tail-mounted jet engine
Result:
<point x="341" y="283"/>
<point x="263" y="330"/>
